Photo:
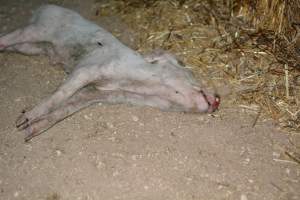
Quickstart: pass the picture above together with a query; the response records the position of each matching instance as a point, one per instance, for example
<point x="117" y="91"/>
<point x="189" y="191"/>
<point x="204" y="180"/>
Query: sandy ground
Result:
<point x="122" y="152"/>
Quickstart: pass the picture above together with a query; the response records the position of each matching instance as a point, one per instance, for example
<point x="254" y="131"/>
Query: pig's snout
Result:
<point x="212" y="101"/>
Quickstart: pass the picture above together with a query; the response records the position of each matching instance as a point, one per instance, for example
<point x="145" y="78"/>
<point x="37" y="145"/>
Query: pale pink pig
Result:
<point x="101" y="69"/>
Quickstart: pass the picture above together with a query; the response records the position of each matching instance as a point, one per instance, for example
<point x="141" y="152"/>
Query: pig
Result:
<point x="100" y="69"/>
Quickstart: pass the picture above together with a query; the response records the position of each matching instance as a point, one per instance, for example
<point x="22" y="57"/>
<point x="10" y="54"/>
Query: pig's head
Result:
<point x="188" y="93"/>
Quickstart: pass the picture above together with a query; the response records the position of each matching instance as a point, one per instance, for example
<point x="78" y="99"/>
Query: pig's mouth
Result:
<point x="213" y="102"/>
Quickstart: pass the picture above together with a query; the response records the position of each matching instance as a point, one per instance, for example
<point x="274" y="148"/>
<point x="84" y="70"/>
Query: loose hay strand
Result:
<point x="287" y="81"/>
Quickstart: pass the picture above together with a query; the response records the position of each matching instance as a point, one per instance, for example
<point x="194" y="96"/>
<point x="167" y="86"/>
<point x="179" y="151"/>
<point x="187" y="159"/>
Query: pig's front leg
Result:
<point x="85" y="97"/>
<point x="81" y="99"/>
<point x="77" y="80"/>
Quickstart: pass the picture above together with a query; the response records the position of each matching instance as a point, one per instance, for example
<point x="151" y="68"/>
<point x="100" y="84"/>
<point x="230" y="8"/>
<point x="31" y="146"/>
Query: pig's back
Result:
<point x="55" y="16"/>
<point x="62" y="25"/>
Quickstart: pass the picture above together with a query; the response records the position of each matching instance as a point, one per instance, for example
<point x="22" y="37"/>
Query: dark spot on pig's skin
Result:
<point x="154" y="62"/>
<point x="77" y="52"/>
<point x="176" y="92"/>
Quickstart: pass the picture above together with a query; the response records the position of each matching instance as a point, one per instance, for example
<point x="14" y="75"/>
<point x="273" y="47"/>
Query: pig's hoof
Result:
<point x="29" y="127"/>
<point x="37" y="127"/>
<point x="28" y="136"/>
<point x="30" y="133"/>
<point x="32" y="126"/>
<point x="22" y="122"/>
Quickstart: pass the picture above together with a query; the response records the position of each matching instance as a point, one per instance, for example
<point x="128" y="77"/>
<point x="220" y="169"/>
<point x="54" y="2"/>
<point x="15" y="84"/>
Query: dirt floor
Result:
<point x="122" y="152"/>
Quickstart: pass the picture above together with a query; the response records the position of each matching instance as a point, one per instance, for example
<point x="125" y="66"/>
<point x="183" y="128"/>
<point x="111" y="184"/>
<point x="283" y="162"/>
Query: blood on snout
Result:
<point x="212" y="101"/>
<point x="216" y="103"/>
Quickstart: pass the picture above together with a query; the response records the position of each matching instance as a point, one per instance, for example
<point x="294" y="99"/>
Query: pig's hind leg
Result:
<point x="28" y="49"/>
<point x="29" y="34"/>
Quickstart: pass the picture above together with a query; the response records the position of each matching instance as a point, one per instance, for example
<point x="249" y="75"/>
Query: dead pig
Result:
<point x="102" y="69"/>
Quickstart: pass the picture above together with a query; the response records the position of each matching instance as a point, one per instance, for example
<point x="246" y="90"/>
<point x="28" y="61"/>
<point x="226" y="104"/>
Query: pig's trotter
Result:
<point x="28" y="135"/>
<point x="36" y="128"/>
<point x="22" y="122"/>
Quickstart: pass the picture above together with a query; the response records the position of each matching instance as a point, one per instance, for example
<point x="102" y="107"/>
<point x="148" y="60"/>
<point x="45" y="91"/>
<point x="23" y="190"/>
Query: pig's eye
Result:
<point x="100" y="44"/>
